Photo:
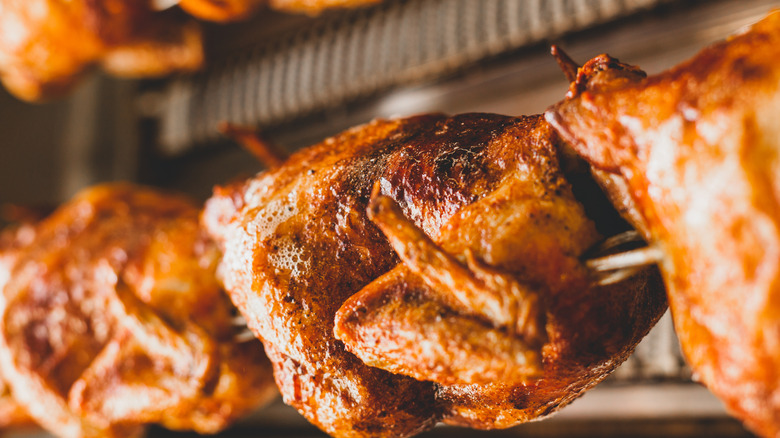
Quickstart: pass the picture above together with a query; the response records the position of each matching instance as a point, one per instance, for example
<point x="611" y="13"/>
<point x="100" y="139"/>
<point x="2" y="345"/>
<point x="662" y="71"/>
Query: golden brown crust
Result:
<point x="298" y="244"/>
<point x="112" y="317"/>
<point x="696" y="148"/>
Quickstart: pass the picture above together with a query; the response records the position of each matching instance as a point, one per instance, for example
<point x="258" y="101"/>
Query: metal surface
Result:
<point x="359" y="53"/>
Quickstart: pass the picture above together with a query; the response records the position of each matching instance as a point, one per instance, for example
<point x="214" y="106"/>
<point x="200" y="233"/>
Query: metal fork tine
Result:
<point x="245" y="335"/>
<point x="161" y="5"/>
<point x="618" y="240"/>
<point x="238" y="321"/>
<point x="647" y="255"/>
<point x="617" y="276"/>
<point x="613" y="268"/>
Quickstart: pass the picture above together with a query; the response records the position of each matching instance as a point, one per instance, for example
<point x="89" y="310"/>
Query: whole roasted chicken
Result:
<point x="47" y="45"/>
<point x="423" y="269"/>
<point x="693" y="156"/>
<point x="111" y="317"/>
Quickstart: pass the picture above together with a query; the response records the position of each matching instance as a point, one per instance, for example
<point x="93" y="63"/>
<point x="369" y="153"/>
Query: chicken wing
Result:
<point x="692" y="154"/>
<point x="473" y="278"/>
<point x="112" y="318"/>
<point x="47" y="45"/>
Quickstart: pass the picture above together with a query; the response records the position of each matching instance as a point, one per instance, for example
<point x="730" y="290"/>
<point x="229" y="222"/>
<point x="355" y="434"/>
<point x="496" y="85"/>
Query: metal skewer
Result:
<point x="612" y="268"/>
<point x="161" y="5"/>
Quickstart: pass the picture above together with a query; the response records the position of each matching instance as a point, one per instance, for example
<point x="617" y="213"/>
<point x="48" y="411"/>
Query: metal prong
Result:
<point x="628" y="259"/>
<point x="245" y="335"/>
<point x="616" y="276"/>
<point x="621" y="264"/>
<point x="238" y="321"/>
<point x="630" y="236"/>
<point x="161" y="5"/>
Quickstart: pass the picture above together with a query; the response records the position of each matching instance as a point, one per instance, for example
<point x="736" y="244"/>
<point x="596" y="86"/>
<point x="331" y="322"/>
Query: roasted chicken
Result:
<point x="112" y="318"/>
<point x="464" y="274"/>
<point x="692" y="156"/>
<point x="47" y="45"/>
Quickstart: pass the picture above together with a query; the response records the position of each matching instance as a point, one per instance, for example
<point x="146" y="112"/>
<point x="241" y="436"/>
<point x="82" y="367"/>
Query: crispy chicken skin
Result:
<point x="504" y="304"/>
<point x="47" y="45"/>
<point x="112" y="318"/>
<point x="693" y="152"/>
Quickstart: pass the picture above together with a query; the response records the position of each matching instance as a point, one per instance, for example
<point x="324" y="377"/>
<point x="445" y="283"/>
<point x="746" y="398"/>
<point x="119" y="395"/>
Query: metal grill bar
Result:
<point x="361" y="53"/>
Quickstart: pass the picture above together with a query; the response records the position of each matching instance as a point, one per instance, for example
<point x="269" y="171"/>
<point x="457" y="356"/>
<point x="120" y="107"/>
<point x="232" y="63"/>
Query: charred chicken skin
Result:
<point x="445" y="251"/>
<point x="47" y="45"/>
<point x="692" y="154"/>
<point x="112" y="318"/>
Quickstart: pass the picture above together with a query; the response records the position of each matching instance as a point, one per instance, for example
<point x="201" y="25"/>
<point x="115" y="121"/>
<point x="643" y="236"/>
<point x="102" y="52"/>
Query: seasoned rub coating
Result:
<point x="112" y="318"/>
<point x="299" y="243"/>
<point x="693" y="153"/>
<point x="47" y="45"/>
